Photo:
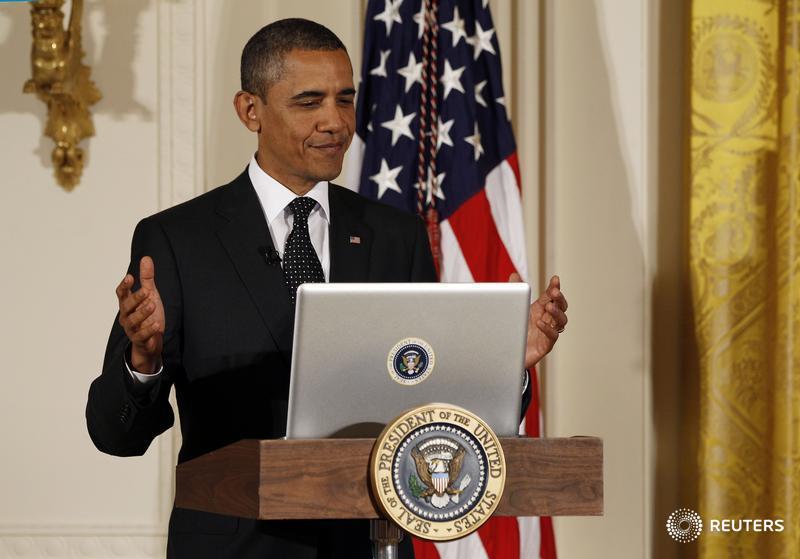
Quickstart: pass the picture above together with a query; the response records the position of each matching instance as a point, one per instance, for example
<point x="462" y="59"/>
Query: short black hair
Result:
<point x="263" y="55"/>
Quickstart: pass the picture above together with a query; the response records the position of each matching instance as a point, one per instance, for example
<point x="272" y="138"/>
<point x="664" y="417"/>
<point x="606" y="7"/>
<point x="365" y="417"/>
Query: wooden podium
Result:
<point x="328" y="478"/>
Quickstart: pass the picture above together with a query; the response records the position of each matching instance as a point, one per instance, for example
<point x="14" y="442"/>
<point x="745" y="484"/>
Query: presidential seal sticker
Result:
<point x="438" y="472"/>
<point x="410" y="361"/>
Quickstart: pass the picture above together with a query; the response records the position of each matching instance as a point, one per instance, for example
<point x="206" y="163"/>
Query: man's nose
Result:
<point x="332" y="118"/>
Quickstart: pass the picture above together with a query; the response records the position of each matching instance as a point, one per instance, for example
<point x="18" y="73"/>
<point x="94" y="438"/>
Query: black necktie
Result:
<point x="300" y="261"/>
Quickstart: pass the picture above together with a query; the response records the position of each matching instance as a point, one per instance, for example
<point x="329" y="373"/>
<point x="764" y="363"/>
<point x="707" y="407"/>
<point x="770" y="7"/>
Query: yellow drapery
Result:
<point x="744" y="264"/>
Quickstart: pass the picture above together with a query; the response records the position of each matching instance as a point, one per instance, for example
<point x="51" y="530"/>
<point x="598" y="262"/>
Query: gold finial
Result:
<point x="62" y="81"/>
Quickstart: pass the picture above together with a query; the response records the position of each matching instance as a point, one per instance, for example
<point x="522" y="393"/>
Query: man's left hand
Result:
<point x="547" y="319"/>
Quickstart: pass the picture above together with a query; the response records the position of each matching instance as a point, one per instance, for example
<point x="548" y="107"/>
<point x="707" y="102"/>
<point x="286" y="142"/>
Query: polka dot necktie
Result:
<point x="300" y="261"/>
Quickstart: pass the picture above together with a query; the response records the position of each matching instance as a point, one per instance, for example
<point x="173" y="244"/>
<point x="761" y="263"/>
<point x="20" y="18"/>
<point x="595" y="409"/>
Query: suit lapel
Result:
<point x="350" y="238"/>
<point x="245" y="236"/>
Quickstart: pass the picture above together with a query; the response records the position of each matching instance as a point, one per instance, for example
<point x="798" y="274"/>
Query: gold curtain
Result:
<point x="744" y="259"/>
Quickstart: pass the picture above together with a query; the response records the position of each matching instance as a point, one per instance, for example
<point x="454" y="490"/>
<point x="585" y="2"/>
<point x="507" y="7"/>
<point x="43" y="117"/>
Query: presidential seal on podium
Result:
<point x="438" y="472"/>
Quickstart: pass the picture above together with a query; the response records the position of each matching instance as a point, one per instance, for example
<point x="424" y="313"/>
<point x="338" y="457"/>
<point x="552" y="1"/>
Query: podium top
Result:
<point x="328" y="478"/>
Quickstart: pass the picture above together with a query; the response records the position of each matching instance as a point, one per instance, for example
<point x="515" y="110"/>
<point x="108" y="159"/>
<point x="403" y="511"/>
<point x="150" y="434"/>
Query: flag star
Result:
<point x="399" y="125"/>
<point x="456" y="27"/>
<point x="371" y="113"/>
<point x="430" y="190"/>
<point x="437" y="189"/>
<point x="390" y="14"/>
<point x="482" y="40"/>
<point x="502" y="101"/>
<point x="451" y="79"/>
<point x="478" y="95"/>
<point x="412" y="73"/>
<point x="386" y="178"/>
<point x="380" y="69"/>
<point x="419" y="19"/>
<point x="443" y="133"/>
<point x="475" y="141"/>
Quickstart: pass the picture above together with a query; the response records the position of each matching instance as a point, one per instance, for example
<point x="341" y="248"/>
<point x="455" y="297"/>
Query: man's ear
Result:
<point x="246" y="106"/>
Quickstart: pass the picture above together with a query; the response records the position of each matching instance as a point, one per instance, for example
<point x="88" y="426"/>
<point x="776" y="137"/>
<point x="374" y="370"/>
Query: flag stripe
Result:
<point x="424" y="549"/>
<point x="479" y="240"/>
<point x="547" y="548"/>
<point x="454" y="266"/>
<point x="500" y="537"/>
<point x="470" y="547"/>
<point x="513" y="161"/>
<point x="529" y="537"/>
<point x="502" y="191"/>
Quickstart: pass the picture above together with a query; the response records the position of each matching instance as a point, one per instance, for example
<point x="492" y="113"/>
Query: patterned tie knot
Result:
<point x="301" y="207"/>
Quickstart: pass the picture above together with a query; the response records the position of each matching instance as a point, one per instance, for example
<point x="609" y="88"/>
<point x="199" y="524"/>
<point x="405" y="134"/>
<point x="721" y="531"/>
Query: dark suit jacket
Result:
<point x="227" y="347"/>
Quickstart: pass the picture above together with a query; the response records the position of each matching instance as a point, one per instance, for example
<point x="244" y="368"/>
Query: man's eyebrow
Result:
<point x="307" y="94"/>
<point x="311" y="94"/>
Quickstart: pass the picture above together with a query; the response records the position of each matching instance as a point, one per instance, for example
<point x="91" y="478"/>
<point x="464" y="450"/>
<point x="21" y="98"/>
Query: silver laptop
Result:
<point x="364" y="353"/>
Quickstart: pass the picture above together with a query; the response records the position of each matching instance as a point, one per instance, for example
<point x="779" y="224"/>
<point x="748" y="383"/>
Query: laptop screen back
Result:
<point x="364" y="353"/>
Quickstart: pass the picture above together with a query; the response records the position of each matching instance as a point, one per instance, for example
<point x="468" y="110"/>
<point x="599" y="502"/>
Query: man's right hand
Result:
<point x="141" y="315"/>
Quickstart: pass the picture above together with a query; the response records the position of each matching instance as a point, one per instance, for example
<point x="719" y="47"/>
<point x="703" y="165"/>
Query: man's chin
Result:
<point x="328" y="172"/>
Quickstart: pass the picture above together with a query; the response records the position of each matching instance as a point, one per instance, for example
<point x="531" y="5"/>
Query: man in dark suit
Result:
<point x="216" y="320"/>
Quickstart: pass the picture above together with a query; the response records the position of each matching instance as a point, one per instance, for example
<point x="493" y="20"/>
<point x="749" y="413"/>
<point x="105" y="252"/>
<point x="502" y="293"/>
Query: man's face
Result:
<point x="307" y="122"/>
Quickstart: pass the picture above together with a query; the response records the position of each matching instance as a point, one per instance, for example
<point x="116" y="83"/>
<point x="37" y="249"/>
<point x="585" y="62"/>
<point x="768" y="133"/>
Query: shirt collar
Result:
<point x="274" y="197"/>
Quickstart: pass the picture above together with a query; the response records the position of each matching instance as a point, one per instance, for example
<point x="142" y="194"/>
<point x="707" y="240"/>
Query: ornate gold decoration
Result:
<point x="62" y="81"/>
<point x="744" y="257"/>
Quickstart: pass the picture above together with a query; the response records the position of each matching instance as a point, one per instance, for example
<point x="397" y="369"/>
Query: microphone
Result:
<point x="272" y="257"/>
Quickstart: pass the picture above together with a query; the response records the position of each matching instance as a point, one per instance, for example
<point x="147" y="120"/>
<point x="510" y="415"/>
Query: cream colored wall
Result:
<point x="595" y="141"/>
<point x="581" y="81"/>
<point x="62" y="255"/>
<point x="611" y="222"/>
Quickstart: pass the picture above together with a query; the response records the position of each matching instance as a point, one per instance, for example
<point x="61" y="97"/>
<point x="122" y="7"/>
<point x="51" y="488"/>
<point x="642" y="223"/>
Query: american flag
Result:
<point x="434" y="137"/>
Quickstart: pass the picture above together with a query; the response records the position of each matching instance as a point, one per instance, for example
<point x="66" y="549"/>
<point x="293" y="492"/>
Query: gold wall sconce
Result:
<point x="63" y="83"/>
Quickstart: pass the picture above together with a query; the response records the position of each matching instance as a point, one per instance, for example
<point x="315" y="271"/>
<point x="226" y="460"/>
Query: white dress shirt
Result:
<point x="275" y="199"/>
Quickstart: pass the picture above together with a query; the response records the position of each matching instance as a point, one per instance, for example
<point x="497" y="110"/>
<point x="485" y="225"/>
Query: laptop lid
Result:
<point x="364" y="353"/>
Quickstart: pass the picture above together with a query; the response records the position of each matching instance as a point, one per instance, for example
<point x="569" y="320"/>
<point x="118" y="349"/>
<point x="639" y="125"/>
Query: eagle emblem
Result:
<point x="438" y="464"/>
<point x="410" y="362"/>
